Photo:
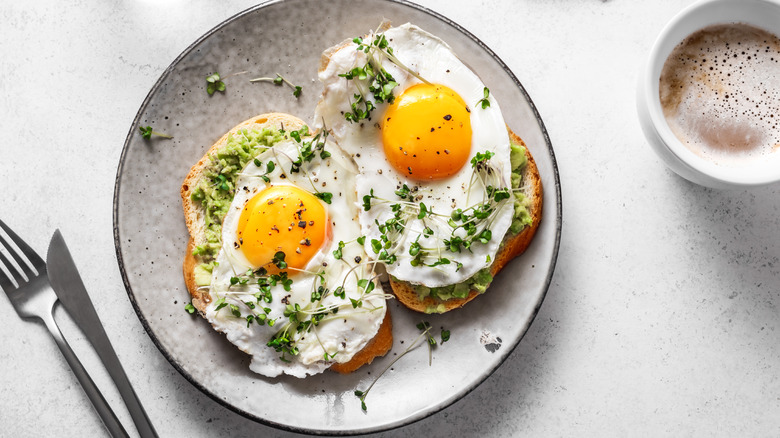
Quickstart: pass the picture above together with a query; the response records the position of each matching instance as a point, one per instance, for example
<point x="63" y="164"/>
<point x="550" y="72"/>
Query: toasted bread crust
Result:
<point x="200" y="298"/>
<point x="379" y="345"/>
<point x="512" y="246"/>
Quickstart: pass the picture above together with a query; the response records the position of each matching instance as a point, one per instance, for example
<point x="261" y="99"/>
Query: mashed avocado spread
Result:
<point x="216" y="188"/>
<point x="481" y="280"/>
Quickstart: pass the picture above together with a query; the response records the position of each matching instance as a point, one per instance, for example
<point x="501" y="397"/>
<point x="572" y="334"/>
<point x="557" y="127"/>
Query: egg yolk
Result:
<point x="282" y="218"/>
<point x="426" y="132"/>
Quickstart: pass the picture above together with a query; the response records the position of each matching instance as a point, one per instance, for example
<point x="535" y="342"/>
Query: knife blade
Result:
<point x="67" y="284"/>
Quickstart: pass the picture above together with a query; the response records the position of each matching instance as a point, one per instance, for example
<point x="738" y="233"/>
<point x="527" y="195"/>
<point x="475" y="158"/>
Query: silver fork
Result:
<point x="27" y="286"/>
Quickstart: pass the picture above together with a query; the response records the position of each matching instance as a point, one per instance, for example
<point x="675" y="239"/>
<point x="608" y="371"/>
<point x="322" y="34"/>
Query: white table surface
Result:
<point x="663" y="317"/>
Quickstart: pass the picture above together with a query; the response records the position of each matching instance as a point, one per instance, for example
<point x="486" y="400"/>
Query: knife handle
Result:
<point x="93" y="392"/>
<point x="115" y="370"/>
<point x="99" y="340"/>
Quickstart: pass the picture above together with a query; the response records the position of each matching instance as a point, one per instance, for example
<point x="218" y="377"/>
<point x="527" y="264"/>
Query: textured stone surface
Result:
<point x="662" y="318"/>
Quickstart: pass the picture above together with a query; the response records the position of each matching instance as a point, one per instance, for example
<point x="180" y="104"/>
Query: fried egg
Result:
<point x="434" y="181"/>
<point x="292" y="288"/>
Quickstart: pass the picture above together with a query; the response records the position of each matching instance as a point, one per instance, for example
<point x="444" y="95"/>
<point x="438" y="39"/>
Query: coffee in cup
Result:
<point x="720" y="93"/>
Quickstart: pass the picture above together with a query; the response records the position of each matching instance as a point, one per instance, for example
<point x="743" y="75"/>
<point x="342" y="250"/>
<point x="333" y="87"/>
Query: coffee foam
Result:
<point x="720" y="93"/>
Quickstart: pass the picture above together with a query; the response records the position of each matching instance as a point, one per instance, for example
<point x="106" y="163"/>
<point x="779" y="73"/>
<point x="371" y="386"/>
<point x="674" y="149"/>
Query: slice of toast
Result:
<point x="193" y="212"/>
<point x="511" y="247"/>
<point x="194" y="217"/>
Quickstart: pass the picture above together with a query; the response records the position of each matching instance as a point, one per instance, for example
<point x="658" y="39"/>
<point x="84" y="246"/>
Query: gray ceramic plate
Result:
<point x="151" y="238"/>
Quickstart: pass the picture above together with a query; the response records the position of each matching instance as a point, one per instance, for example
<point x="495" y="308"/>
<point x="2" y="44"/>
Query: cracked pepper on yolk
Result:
<point x="426" y="132"/>
<point x="282" y="218"/>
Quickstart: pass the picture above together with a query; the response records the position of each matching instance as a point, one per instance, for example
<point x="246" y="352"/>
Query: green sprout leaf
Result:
<point x="280" y="80"/>
<point x="219" y="304"/>
<point x="325" y="196"/>
<point x="338" y="252"/>
<point x="403" y="192"/>
<point x="425" y="328"/>
<point x="423" y="211"/>
<point x="278" y="260"/>
<point x="481" y="158"/>
<point x="214" y="83"/>
<point x="441" y="261"/>
<point x="500" y="195"/>
<point x="147" y="132"/>
<point x="485" y="101"/>
<point x="367" y="200"/>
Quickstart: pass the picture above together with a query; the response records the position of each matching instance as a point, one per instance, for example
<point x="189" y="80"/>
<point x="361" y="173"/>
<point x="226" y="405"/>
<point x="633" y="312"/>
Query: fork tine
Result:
<point x="5" y="275"/>
<point x="21" y="269"/>
<point x="34" y="258"/>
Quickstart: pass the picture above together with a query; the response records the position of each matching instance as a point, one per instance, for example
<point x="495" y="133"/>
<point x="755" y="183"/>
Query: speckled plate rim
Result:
<point x="417" y="416"/>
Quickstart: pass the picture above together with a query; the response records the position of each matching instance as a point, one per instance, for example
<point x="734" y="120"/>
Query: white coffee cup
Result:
<point x="764" y="14"/>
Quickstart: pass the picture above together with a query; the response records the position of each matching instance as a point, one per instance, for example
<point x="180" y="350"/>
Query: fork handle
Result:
<point x="95" y="396"/>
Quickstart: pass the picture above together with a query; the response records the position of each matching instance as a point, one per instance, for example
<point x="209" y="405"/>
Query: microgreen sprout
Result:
<point x="278" y="260"/>
<point x="367" y="200"/>
<point x="337" y="253"/>
<point x="189" y="308"/>
<point x="269" y="167"/>
<point x="371" y="79"/>
<point x="485" y="101"/>
<point x="423" y="211"/>
<point x="403" y="192"/>
<point x="480" y="158"/>
<point x="279" y="80"/>
<point x="325" y="196"/>
<point x="308" y="148"/>
<point x="222" y="182"/>
<point x="425" y="328"/>
<point x="147" y="132"/>
<point x="214" y="82"/>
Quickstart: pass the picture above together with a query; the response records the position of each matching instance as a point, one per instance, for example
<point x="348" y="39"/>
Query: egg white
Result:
<point x="433" y="60"/>
<point x="340" y="335"/>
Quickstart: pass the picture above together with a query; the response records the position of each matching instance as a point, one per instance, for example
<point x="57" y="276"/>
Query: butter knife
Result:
<point x="67" y="284"/>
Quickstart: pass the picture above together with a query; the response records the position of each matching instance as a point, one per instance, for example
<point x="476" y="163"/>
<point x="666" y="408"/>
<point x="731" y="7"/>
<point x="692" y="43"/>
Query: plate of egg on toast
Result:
<point x="327" y="227"/>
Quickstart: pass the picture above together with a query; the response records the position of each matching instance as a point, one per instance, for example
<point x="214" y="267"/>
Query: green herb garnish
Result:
<point x="325" y="196"/>
<point x="367" y="200"/>
<point x="147" y="133"/>
<point x="425" y="327"/>
<point x="371" y="79"/>
<point x="214" y="83"/>
<point x="484" y="102"/>
<point x="337" y="253"/>
<point x="279" y="80"/>
<point x="269" y="167"/>
<point x="278" y="260"/>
